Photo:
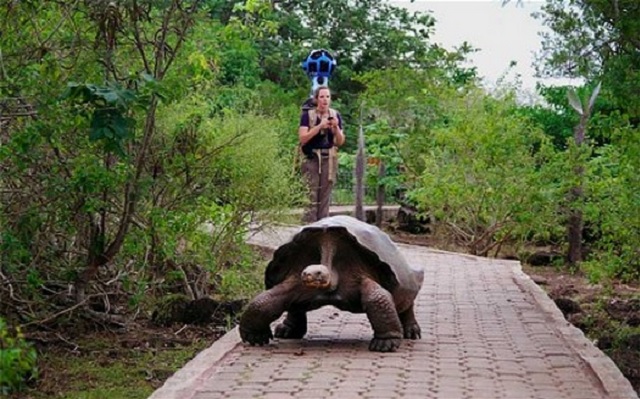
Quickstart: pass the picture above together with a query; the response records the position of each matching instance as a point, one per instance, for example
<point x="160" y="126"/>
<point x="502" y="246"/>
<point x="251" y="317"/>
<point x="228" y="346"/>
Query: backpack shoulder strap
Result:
<point x="312" y="117"/>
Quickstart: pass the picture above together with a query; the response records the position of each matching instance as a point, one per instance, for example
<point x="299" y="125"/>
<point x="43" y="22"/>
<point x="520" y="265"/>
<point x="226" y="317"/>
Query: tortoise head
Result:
<point x="317" y="276"/>
<point x="323" y="276"/>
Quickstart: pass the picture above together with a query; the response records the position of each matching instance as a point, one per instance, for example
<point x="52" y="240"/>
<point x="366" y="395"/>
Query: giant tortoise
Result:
<point x="343" y="262"/>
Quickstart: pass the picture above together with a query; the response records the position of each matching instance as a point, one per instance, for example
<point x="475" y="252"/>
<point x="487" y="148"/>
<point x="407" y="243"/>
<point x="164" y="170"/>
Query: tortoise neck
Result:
<point x="327" y="250"/>
<point x="328" y="246"/>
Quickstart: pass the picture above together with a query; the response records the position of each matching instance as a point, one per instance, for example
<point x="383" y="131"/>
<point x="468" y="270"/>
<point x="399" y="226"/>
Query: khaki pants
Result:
<point x="319" y="172"/>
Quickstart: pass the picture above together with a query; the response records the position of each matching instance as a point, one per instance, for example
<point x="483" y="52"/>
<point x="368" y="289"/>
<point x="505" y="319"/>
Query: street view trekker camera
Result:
<point x="319" y="66"/>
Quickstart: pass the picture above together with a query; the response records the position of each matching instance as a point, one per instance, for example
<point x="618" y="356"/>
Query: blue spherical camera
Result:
<point x="319" y="66"/>
<point x="319" y="63"/>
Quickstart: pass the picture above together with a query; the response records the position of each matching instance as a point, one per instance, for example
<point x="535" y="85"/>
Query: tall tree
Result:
<point x="575" y="222"/>
<point x="121" y="144"/>
<point x="119" y="52"/>
<point x="596" y="40"/>
<point x="363" y="35"/>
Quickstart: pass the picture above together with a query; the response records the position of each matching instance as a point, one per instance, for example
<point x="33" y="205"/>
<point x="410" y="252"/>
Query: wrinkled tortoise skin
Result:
<point x="343" y="262"/>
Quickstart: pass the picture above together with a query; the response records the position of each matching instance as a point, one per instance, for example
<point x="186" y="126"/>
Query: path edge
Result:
<point x="184" y="382"/>
<point x="614" y="383"/>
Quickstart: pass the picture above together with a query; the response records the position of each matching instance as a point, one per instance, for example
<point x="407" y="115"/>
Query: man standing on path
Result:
<point x="320" y="134"/>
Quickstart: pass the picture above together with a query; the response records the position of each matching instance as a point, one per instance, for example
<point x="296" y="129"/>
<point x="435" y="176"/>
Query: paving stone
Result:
<point x="487" y="332"/>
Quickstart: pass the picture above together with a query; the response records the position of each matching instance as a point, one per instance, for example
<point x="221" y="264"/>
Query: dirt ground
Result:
<point x="608" y="314"/>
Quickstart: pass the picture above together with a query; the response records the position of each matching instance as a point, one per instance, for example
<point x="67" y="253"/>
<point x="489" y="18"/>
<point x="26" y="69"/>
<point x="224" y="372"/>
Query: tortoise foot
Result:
<point x="384" y="344"/>
<point x="286" y="331"/>
<point x="412" y="331"/>
<point x="261" y="337"/>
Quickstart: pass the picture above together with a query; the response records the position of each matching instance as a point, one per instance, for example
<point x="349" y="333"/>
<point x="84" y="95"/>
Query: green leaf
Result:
<point x="120" y="126"/>
<point x="574" y="101"/>
<point x="109" y="95"/>
<point x="97" y="133"/>
<point x="147" y="77"/>
<point x="594" y="95"/>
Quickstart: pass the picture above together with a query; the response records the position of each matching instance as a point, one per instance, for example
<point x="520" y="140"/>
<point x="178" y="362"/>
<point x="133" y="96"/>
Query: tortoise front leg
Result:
<point x="294" y="325"/>
<point x="410" y="324"/>
<point x="381" y="311"/>
<point x="255" y="323"/>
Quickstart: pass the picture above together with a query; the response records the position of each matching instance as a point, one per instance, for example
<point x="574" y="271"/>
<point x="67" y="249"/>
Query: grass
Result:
<point x="103" y="371"/>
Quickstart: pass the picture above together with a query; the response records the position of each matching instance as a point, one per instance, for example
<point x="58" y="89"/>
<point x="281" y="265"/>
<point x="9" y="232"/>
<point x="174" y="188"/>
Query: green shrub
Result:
<point x="17" y="360"/>
<point x="218" y="175"/>
<point x="611" y="209"/>
<point x="483" y="175"/>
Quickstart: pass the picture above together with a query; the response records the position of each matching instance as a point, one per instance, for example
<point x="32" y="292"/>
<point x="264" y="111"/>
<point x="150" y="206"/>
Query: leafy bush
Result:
<point x="482" y="178"/>
<point x="218" y="174"/>
<point x="17" y="360"/>
<point x="611" y="209"/>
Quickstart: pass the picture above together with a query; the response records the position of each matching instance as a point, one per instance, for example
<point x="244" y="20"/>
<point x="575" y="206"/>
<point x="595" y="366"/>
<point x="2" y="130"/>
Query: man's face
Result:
<point x="324" y="98"/>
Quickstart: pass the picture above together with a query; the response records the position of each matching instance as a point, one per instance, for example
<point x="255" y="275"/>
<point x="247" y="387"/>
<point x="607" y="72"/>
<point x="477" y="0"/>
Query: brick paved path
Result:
<point x="488" y="333"/>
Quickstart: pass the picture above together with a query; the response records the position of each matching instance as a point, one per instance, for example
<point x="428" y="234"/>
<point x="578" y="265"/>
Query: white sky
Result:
<point x="502" y="34"/>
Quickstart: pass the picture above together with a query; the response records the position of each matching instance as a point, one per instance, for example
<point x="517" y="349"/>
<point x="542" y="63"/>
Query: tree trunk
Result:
<point x="574" y="231"/>
<point x="576" y="194"/>
<point x="575" y="224"/>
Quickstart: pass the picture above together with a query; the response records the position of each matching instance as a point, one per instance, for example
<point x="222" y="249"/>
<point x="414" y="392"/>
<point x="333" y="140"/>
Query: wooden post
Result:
<point x="359" y="170"/>
<point x="380" y="195"/>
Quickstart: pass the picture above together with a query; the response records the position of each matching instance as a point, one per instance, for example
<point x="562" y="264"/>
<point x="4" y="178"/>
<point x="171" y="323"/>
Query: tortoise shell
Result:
<point x="374" y="245"/>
